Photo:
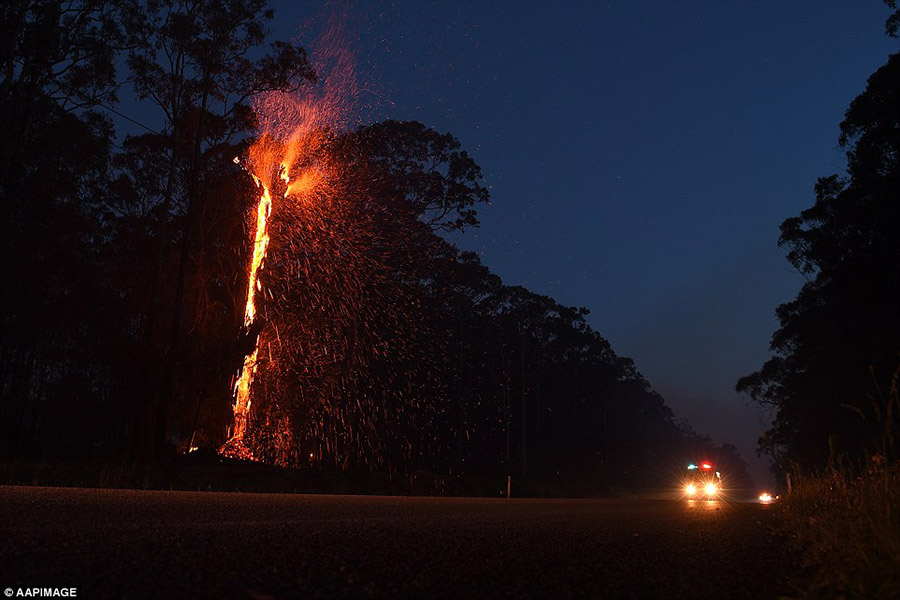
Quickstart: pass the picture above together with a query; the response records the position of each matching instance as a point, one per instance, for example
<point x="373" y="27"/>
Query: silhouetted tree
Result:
<point x="840" y="338"/>
<point x="53" y="52"/>
<point x="55" y="303"/>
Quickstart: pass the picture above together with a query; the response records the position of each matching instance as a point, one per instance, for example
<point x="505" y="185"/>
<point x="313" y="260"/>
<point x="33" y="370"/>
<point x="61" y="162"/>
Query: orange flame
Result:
<point x="242" y="397"/>
<point x="260" y="245"/>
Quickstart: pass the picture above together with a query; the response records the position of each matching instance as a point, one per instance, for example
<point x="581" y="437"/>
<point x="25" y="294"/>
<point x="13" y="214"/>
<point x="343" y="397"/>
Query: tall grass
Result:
<point x="847" y="519"/>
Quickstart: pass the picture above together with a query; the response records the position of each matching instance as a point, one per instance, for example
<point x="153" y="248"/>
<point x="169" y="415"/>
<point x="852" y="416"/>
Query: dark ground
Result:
<point x="136" y="544"/>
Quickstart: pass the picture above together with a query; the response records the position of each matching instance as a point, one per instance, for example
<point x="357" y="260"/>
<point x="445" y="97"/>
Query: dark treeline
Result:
<point x="837" y="352"/>
<point x="124" y="266"/>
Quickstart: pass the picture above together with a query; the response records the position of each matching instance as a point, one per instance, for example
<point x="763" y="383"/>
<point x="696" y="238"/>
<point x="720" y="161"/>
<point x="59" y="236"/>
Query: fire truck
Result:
<point x="702" y="481"/>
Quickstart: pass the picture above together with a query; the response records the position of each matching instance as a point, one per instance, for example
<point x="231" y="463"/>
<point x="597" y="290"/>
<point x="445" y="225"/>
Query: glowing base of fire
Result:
<point x="235" y="448"/>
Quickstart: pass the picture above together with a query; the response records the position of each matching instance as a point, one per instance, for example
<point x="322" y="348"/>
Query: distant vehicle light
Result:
<point x="766" y="498"/>
<point x="690" y="489"/>
<point x="710" y="489"/>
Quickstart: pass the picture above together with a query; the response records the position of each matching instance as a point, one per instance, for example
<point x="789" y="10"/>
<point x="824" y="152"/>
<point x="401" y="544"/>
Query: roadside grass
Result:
<point x="847" y="520"/>
<point x="849" y="527"/>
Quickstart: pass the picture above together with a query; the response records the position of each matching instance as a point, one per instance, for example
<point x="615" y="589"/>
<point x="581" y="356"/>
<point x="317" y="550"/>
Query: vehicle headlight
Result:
<point x="690" y="489"/>
<point x="711" y="489"/>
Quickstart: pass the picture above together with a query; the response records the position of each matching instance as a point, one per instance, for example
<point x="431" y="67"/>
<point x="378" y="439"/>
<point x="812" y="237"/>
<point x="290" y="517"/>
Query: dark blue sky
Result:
<point x="641" y="158"/>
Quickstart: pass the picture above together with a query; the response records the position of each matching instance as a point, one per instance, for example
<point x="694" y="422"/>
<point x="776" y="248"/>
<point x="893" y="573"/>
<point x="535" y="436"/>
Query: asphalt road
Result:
<point x="136" y="544"/>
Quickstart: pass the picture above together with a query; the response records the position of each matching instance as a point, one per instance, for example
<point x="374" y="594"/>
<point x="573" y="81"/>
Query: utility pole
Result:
<point x="505" y="364"/>
<point x="523" y="392"/>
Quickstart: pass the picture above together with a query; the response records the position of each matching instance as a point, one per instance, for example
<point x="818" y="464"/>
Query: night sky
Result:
<point x="641" y="158"/>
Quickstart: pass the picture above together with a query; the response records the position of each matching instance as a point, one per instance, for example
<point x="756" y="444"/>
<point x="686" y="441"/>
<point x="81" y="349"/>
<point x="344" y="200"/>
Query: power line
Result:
<point x="127" y="118"/>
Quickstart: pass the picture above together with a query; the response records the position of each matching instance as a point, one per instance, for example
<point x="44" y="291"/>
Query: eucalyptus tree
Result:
<point x="838" y="344"/>
<point x="200" y="63"/>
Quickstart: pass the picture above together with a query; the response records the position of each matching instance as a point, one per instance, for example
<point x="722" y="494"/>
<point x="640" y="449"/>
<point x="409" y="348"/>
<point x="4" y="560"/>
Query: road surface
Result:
<point x="137" y="544"/>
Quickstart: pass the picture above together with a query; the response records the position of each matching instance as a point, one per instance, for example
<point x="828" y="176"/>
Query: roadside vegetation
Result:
<point x="846" y="518"/>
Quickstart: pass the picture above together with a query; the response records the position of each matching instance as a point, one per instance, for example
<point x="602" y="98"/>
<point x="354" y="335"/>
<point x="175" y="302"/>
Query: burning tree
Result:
<point x="192" y="60"/>
<point x="345" y="222"/>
